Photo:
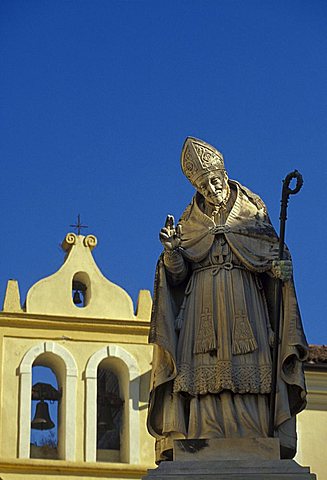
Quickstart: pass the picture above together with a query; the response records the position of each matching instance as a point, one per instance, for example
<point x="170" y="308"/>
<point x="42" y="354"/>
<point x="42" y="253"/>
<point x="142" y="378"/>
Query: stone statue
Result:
<point x="212" y="317"/>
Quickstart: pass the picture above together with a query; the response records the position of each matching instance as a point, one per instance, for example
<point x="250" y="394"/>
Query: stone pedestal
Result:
<point x="229" y="459"/>
<point x="231" y="470"/>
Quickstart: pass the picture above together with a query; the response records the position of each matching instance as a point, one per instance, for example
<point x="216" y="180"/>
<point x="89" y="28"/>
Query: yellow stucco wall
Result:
<point x="14" y="346"/>
<point x="312" y="425"/>
<point x="50" y="317"/>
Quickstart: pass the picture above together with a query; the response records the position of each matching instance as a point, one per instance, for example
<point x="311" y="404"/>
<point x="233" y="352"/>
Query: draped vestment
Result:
<point x="211" y="326"/>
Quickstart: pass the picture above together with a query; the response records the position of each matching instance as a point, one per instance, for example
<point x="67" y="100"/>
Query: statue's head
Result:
<point x="204" y="166"/>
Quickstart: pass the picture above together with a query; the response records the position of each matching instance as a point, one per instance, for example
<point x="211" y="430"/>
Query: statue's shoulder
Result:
<point x="187" y="212"/>
<point x="253" y="197"/>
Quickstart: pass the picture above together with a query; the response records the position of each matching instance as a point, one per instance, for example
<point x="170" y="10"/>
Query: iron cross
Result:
<point x="79" y="225"/>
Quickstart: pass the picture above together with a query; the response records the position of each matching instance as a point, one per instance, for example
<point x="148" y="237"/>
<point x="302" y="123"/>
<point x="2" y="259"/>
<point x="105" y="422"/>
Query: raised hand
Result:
<point x="169" y="235"/>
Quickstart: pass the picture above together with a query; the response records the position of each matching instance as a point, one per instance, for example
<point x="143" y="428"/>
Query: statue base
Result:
<point x="227" y="449"/>
<point x="229" y="459"/>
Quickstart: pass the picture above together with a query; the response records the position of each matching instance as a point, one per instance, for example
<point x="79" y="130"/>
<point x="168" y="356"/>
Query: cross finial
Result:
<point x="79" y="225"/>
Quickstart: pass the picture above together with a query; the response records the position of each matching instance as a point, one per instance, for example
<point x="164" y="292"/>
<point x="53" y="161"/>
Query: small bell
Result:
<point x="42" y="420"/>
<point x="77" y="298"/>
<point x="105" y="419"/>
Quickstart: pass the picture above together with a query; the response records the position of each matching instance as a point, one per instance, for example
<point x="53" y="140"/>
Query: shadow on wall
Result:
<point x="144" y="390"/>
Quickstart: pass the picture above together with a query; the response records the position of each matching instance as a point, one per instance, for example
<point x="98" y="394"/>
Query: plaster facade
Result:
<point x="312" y="424"/>
<point x="50" y="330"/>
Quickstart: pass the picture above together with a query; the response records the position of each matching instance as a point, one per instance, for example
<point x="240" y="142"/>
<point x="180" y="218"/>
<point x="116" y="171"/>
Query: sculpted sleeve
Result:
<point x="175" y="265"/>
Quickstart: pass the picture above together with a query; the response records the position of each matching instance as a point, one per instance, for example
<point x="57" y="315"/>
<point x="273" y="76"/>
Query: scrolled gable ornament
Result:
<point x="212" y="319"/>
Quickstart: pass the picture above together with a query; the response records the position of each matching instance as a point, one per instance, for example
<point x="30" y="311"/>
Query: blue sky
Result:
<point x="97" y="97"/>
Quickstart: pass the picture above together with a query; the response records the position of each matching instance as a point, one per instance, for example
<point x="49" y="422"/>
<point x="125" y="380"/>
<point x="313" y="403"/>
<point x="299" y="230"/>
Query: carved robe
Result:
<point x="211" y="328"/>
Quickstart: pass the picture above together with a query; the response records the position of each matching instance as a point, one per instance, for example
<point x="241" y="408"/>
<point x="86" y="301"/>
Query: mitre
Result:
<point x="198" y="158"/>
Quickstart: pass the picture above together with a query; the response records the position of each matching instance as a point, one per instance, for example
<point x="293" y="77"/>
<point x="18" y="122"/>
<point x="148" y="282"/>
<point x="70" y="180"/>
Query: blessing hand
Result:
<point x="282" y="269"/>
<point x="169" y="235"/>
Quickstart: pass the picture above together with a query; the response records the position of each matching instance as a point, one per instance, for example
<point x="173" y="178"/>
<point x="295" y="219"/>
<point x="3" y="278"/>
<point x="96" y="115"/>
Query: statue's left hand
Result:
<point x="282" y="269"/>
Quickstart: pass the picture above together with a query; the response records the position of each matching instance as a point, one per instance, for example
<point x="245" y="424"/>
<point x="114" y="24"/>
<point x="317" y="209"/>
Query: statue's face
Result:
<point x="214" y="187"/>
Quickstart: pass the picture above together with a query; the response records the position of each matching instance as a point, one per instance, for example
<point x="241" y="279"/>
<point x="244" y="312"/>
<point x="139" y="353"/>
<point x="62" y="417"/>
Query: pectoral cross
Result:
<point x="221" y="250"/>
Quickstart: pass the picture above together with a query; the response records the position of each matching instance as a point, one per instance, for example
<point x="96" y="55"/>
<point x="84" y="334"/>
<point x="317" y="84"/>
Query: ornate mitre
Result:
<point x="198" y="157"/>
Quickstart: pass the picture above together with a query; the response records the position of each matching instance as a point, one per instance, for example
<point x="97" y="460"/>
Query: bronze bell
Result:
<point x="77" y="298"/>
<point x="42" y="420"/>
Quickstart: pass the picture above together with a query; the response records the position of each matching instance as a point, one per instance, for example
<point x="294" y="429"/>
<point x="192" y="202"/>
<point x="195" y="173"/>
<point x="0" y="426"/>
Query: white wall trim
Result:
<point x="69" y="386"/>
<point x="132" y="401"/>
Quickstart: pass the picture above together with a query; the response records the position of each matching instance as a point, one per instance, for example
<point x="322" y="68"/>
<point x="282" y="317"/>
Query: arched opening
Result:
<point x="124" y="366"/>
<point x="45" y="400"/>
<point x="109" y="414"/>
<point x="61" y="362"/>
<point x="81" y="289"/>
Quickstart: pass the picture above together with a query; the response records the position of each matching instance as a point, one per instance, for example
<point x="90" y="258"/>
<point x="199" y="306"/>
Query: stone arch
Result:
<point x="129" y="373"/>
<point x="69" y="387"/>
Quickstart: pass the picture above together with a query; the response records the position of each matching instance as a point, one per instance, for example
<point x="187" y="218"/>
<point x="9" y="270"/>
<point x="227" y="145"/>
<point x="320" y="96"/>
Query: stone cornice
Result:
<point x="58" y="322"/>
<point x="59" y="467"/>
<point x="317" y="389"/>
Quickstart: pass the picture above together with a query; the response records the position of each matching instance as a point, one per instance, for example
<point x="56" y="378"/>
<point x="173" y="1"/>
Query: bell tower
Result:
<point x="76" y="387"/>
